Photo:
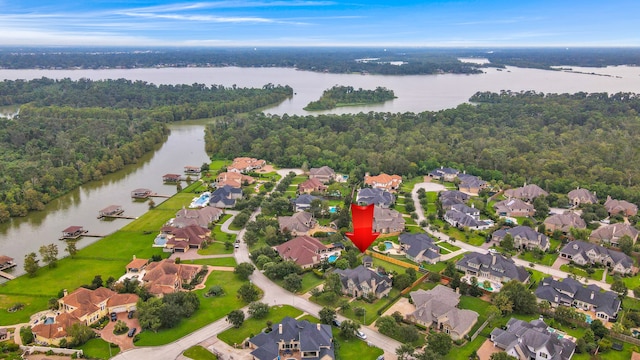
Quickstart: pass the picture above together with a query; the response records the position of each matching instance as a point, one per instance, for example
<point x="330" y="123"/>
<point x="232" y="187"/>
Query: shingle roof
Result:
<point x="361" y="275"/>
<point x="312" y="337"/>
<point x="418" y="243"/>
<point x="582" y="247"/>
<point x="502" y="267"/>
<point x="531" y="337"/>
<point x="613" y="232"/>
<point x="304" y="250"/>
<point x="523" y="232"/>
<point x="607" y="302"/>
<point x="299" y="222"/>
<point x="375" y="196"/>
<point x="527" y="192"/>
<point x="583" y="195"/>
<point x="565" y="221"/>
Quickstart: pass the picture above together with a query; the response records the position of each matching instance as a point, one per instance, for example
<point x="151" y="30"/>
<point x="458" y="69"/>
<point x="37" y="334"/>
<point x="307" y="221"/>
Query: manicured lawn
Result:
<point x="309" y="318"/>
<point x="217" y="248"/>
<point x="252" y="327"/>
<point x="32" y="304"/>
<point x="464" y="352"/>
<point x="355" y="348"/>
<point x="310" y="281"/>
<point x="476" y="304"/>
<point x="408" y="184"/>
<point x="388" y="266"/>
<point x="438" y="267"/>
<point x="225" y="261"/>
<point x="299" y="179"/>
<point x="211" y="309"/>
<point x="218" y="164"/>
<point x="98" y="349"/>
<point x="536" y="276"/>
<point x="597" y="275"/>
<point x="197" y="352"/>
<point x="547" y="259"/>
<point x="371" y="309"/>
<point x="448" y="246"/>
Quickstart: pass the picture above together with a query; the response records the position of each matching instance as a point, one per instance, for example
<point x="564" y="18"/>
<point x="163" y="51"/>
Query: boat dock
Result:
<point x="7" y="275"/>
<point x="113" y="212"/>
<point x="146" y="193"/>
<point x="6" y="263"/>
<point x="115" y="217"/>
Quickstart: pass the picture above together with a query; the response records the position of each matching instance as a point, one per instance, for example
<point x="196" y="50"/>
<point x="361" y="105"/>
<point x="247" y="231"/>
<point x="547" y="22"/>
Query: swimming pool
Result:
<point x="160" y="240"/>
<point x="332" y="258"/>
<point x="201" y="201"/>
<point x="588" y="319"/>
<point x="388" y="244"/>
<point x="49" y="320"/>
<point x="635" y="332"/>
<point x="333" y="209"/>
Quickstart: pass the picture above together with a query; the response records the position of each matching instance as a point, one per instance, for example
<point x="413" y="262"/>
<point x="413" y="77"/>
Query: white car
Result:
<point x="361" y="335"/>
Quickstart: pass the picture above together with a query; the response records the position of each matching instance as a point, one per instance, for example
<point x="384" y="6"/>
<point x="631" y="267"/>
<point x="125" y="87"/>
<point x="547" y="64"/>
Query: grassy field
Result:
<point x="225" y="261"/>
<point x="252" y="327"/>
<point x="597" y="275"/>
<point x="371" y="309"/>
<point x="99" y="349"/>
<point x="310" y="281"/>
<point x="547" y="259"/>
<point x="438" y="267"/>
<point x="197" y="352"/>
<point x="448" y="246"/>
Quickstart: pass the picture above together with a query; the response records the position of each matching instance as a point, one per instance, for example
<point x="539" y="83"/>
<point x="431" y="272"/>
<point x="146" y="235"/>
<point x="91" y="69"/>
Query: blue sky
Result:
<point x="320" y="23"/>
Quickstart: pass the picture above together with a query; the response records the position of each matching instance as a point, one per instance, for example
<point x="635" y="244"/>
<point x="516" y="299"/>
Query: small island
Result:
<point x="339" y="96"/>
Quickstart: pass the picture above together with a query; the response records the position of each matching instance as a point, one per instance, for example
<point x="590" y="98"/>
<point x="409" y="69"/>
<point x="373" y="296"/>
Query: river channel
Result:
<point x="185" y="144"/>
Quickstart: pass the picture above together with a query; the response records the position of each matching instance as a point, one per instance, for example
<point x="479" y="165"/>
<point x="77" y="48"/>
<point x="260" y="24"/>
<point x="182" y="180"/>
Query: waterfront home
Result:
<point x="233" y="179"/>
<point x="225" y="197"/>
<point x="564" y="222"/>
<point x="141" y="193"/>
<point x="585" y="253"/>
<point x="188" y="237"/>
<point x="532" y="341"/>
<point x="386" y="221"/>
<point x="419" y="247"/>
<point x="383" y="181"/>
<point x="306" y="251"/>
<point x="582" y="196"/>
<point x="324" y="174"/>
<point x="444" y="173"/>
<point x="165" y="276"/>
<point x="294" y="339"/>
<point x="171" y="178"/>
<point x="622" y="207"/>
<point x="524" y="237"/>
<point x="202" y="217"/>
<point x="378" y="197"/>
<point x="136" y="266"/>
<point x="88" y="306"/>
<point x="612" y="233"/>
<point x="436" y="309"/>
<point x="245" y="164"/>
<point x="311" y="185"/>
<point x="493" y="267"/>
<point x="53" y="331"/>
<point x="527" y="193"/>
<point x="363" y="281"/>
<point x="570" y="292"/>
<point x="299" y="223"/>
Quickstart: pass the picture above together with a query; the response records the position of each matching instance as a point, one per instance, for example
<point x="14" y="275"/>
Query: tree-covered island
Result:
<point x="339" y="96"/>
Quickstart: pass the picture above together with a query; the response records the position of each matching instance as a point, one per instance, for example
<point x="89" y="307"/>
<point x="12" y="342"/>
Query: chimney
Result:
<point x="280" y="329"/>
<point x="318" y="326"/>
<point x="556" y="299"/>
<point x="134" y="257"/>
<point x="493" y="259"/>
<point x="464" y="171"/>
<point x="592" y="295"/>
<point x="441" y="167"/>
<point x="65" y="292"/>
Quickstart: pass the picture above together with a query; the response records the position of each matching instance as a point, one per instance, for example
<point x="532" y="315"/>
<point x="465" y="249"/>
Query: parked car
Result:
<point x="114" y="316"/>
<point x="336" y="322"/>
<point x="361" y="335"/>
<point x="132" y="332"/>
<point x="237" y="245"/>
<point x="130" y="315"/>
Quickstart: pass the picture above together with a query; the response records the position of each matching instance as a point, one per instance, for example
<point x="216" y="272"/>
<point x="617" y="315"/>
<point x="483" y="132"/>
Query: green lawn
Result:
<point x="211" y="309"/>
<point x="99" y="349"/>
<point x="310" y="281"/>
<point x="597" y="275"/>
<point x="464" y="352"/>
<point x="197" y="352"/>
<point x="408" y="184"/>
<point x="448" y="246"/>
<point x="355" y="348"/>
<point x="547" y="259"/>
<point x="476" y="304"/>
<point x="371" y="309"/>
<point x="225" y="261"/>
<point x="252" y="327"/>
<point x="217" y="248"/>
<point x="388" y="266"/>
<point x="216" y="165"/>
<point x="438" y="267"/>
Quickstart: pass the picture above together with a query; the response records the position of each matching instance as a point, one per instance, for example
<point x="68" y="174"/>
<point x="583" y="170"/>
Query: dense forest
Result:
<point x="347" y="95"/>
<point x="71" y="132"/>
<point x="335" y="60"/>
<point x="557" y="141"/>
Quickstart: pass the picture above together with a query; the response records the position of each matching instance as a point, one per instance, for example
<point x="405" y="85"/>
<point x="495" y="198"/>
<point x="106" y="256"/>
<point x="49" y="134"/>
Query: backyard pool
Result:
<point x="333" y="209"/>
<point x="332" y="258"/>
<point x="388" y="245"/>
<point x="49" y="320"/>
<point x="588" y="319"/>
<point x="160" y="240"/>
<point x="636" y="333"/>
<point x="201" y="201"/>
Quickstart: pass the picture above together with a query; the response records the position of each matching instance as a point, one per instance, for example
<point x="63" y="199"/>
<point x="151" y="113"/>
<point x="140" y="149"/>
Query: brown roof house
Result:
<point x="136" y="265"/>
<point x="436" y="308"/>
<point x="88" y="306"/>
<point x="165" y="277"/>
<point x="311" y="185"/>
<point x="620" y="207"/>
<point x="52" y="333"/>
<point x="582" y="196"/>
<point x="306" y="251"/>
<point x="564" y="222"/>
<point x="189" y="237"/>
<point x="324" y="174"/>
<point x="233" y="179"/>
<point x="298" y="224"/>
<point x="245" y="164"/>
<point x="513" y="207"/>
<point x="362" y="281"/>
<point x="611" y="234"/>
<point x="526" y="193"/>
<point x="387" y="221"/>
<point x="383" y="181"/>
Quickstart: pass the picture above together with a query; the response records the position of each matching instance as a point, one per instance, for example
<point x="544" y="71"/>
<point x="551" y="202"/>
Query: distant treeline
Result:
<point x="559" y="142"/>
<point x="72" y="132"/>
<point x="347" y="95"/>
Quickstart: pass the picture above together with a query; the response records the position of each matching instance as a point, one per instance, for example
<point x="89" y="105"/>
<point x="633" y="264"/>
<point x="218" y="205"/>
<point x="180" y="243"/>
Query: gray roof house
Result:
<point x="612" y="233"/>
<point x="570" y="292"/>
<point x="436" y="308"/>
<point x="581" y="196"/>
<point x="419" y="248"/>
<point x="379" y="197"/>
<point x="303" y="202"/>
<point x="471" y="184"/>
<point x="201" y="217"/>
<point x="564" y="222"/>
<point x="324" y="174"/>
<point x="454" y="194"/>
<point x="298" y="224"/>
<point x="524" y="237"/>
<point x="387" y="221"/>
<point x="445" y="173"/>
<point x="294" y="339"/>
<point x="620" y="207"/>
<point x="462" y="216"/>
<point x="491" y="266"/>
<point x="526" y="193"/>
<point x="513" y="207"/>
<point x="532" y="340"/>
<point x="362" y="281"/>
<point x="584" y="253"/>
<point x="225" y="197"/>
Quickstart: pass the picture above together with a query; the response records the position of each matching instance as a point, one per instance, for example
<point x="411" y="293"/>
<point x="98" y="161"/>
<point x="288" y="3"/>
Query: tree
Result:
<point x="333" y="284"/>
<point x="450" y="269"/>
<point x="507" y="242"/>
<point x="149" y="313"/>
<point x="439" y="342"/>
<point x="387" y="325"/>
<point x="31" y="265"/>
<point x="258" y="310"/>
<point x="401" y="281"/>
<point x="599" y="330"/>
<point x="49" y="254"/>
<point x="626" y="244"/>
<point x="80" y="334"/>
<point x="408" y="333"/>
<point x="96" y="282"/>
<point x="244" y="270"/>
<point x="327" y="315"/>
<point x="405" y="351"/>
<point x="236" y="318"/>
<point x="501" y="356"/>
<point x="71" y="248"/>
<point x="492" y="312"/>
<point x="619" y="287"/>
<point x="292" y="282"/>
<point x="427" y="354"/>
<point x="348" y="329"/>
<point x="503" y="303"/>
<point x="524" y="301"/>
<point x="26" y="335"/>
<point x="215" y="290"/>
<point x="248" y="293"/>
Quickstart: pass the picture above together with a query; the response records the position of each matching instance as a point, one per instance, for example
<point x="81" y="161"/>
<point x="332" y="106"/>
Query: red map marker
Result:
<point x="362" y="235"/>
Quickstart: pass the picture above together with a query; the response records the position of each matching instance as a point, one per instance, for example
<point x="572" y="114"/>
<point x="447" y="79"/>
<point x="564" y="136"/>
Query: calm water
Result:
<point x="185" y="145"/>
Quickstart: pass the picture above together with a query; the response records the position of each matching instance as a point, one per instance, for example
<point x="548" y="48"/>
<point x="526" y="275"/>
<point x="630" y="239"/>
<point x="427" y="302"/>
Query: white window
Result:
<point x="543" y="355"/>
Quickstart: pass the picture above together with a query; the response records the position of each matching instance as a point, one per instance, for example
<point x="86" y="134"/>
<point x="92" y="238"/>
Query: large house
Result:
<point x="298" y="224"/>
<point x="419" y="248"/>
<point x="620" y="207"/>
<point x="202" y="217"/>
<point x="493" y="267"/>
<point x="570" y="292"/>
<point x="581" y="196"/>
<point x="444" y="173"/>
<point x="436" y="308"/>
<point x="470" y="184"/>
<point x="524" y="237"/>
<point x="306" y="251"/>
<point x="387" y="221"/>
<point x="311" y="185"/>
<point x="532" y="341"/>
<point x="233" y="179"/>
<point x="165" y="277"/>
<point x="363" y="281"/>
<point x="526" y="193"/>
<point x="461" y="216"/>
<point x="585" y="253"/>
<point x="514" y="207"/>
<point x="383" y="181"/>
<point x="303" y="202"/>
<point x="293" y="339"/>
<point x="53" y="333"/>
<point x="245" y="164"/>
<point x="188" y="237"/>
<point x="564" y="222"/>
<point x="612" y="233"/>
<point x="379" y="197"/>
<point x="225" y="197"/>
<point x="324" y="174"/>
<point x="452" y="197"/>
